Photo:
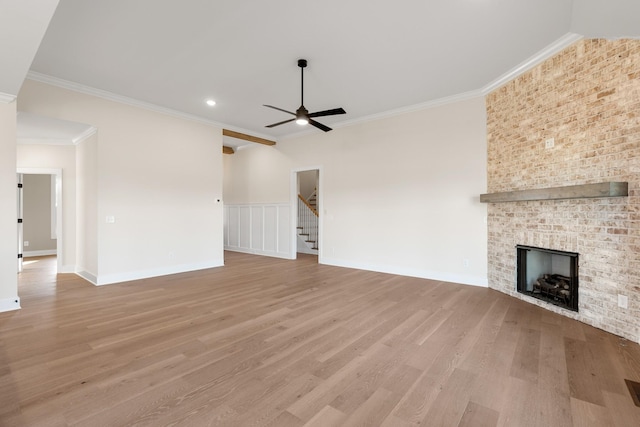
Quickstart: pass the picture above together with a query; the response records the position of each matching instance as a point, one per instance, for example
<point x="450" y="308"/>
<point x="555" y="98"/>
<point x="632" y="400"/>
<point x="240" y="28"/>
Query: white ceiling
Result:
<point x="371" y="57"/>
<point x="36" y="129"/>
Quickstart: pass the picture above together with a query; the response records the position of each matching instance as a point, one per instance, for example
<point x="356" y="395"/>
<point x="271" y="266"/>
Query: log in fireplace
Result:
<point x="548" y="275"/>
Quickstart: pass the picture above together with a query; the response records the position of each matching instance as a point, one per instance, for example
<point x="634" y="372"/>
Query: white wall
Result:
<point x="256" y="174"/>
<point x="158" y="176"/>
<point x="46" y="157"/>
<point x="8" y="209"/>
<point x="400" y="194"/>
<point x="87" y="208"/>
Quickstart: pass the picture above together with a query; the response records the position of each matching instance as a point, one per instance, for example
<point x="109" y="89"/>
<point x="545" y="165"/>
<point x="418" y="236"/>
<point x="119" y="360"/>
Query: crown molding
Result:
<point x="44" y="141"/>
<point x="110" y="96"/>
<point x="465" y="96"/>
<point x="84" y="135"/>
<point x="546" y="53"/>
<point x="6" y="98"/>
<point x="397" y="112"/>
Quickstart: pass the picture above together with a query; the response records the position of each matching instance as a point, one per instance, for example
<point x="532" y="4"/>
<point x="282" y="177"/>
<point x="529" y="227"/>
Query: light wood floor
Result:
<point x="265" y="341"/>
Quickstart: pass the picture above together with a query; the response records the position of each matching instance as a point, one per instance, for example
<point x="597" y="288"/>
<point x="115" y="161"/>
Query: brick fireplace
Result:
<point x="587" y="99"/>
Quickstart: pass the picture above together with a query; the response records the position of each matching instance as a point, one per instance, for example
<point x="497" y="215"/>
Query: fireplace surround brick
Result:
<point x="587" y="98"/>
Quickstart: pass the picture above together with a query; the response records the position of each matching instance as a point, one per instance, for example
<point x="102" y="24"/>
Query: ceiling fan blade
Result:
<point x="331" y="112"/>
<point x="319" y="125"/>
<point x="279" y="109"/>
<point x="279" y="123"/>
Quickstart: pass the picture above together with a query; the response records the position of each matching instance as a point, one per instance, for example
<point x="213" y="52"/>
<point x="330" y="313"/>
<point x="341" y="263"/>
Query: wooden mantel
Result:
<point x="601" y="189"/>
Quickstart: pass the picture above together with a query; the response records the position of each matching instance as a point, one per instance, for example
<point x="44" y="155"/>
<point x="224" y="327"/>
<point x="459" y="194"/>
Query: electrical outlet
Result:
<point x="623" y="301"/>
<point x="26" y="243"/>
<point x="465" y="263"/>
<point x="549" y="143"/>
<point x="110" y="219"/>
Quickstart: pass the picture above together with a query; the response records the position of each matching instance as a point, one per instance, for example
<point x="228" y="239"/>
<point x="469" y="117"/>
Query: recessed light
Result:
<point x="211" y="102"/>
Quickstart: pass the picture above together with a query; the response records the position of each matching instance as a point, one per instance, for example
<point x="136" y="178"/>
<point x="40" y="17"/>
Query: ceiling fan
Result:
<point x="303" y="116"/>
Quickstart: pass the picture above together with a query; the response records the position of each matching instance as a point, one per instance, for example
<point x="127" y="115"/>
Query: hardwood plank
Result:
<point x="265" y="341"/>
<point x="585" y="414"/>
<point x="526" y="358"/>
<point x="478" y="416"/>
<point x="582" y="372"/>
<point x="327" y="417"/>
<point x="450" y="405"/>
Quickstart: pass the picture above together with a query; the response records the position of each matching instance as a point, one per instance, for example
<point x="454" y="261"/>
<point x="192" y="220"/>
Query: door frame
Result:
<point x="58" y="186"/>
<point x="294" y="209"/>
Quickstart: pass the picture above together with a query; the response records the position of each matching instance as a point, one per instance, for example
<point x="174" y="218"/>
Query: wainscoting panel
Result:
<point x="232" y="226"/>
<point x="258" y="229"/>
<point x="245" y="230"/>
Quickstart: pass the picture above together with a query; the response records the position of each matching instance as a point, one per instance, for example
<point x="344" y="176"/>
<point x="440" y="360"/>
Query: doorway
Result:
<point x="307" y="205"/>
<point x="41" y="202"/>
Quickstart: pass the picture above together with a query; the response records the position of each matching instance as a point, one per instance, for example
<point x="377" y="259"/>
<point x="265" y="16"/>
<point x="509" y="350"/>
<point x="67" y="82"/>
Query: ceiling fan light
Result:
<point x="302" y="121"/>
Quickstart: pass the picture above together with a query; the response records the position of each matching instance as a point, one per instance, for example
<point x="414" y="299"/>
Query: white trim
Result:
<point x="84" y="135"/>
<point x="110" y="96"/>
<point x="88" y="277"/>
<point x="465" y="96"/>
<point x="411" y="272"/>
<point x="258" y="252"/>
<point x="546" y="53"/>
<point x="145" y="274"/>
<point x="391" y="113"/>
<point x="44" y="141"/>
<point x="9" y="304"/>
<point x="45" y="252"/>
<point x="58" y="141"/>
<point x="294" y="209"/>
<point x="53" y="206"/>
<point x="58" y="175"/>
<point x="6" y="98"/>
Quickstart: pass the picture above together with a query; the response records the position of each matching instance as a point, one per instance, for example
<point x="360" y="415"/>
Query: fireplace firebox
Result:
<point x="548" y="275"/>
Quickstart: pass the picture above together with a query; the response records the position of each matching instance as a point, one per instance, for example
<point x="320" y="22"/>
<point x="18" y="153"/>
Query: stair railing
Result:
<point x="308" y="221"/>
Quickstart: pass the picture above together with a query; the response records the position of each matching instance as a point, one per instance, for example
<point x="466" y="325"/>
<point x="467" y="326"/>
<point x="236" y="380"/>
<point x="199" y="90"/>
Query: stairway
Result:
<point x="308" y="223"/>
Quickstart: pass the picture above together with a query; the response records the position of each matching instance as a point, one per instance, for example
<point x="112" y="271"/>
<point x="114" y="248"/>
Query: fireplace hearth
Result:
<point x="548" y="275"/>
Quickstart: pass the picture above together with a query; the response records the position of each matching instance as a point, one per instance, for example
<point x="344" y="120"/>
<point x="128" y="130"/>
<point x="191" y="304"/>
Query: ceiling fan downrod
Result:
<point x="302" y="63"/>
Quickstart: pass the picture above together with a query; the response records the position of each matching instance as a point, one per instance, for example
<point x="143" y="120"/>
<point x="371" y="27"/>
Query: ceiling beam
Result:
<point x="227" y="150"/>
<point x="244" y="136"/>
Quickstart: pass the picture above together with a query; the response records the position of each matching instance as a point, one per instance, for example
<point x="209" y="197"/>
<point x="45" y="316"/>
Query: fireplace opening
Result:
<point x="548" y="275"/>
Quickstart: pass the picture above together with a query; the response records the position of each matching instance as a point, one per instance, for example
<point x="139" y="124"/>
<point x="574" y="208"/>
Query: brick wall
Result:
<point x="588" y="98"/>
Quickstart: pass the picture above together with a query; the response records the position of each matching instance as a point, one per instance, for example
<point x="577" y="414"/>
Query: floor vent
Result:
<point x="634" y="389"/>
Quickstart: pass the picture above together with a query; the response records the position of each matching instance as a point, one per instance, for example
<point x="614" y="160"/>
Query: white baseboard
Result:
<point x="47" y="252"/>
<point x="67" y="269"/>
<point x="411" y="272"/>
<point x="88" y="277"/>
<point x="9" y="304"/>
<point x="109" y="279"/>
<point x="284" y="255"/>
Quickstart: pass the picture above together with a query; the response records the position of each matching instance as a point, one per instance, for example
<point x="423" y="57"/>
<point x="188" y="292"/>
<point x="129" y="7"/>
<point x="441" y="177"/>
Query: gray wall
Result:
<point x="37" y="213"/>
